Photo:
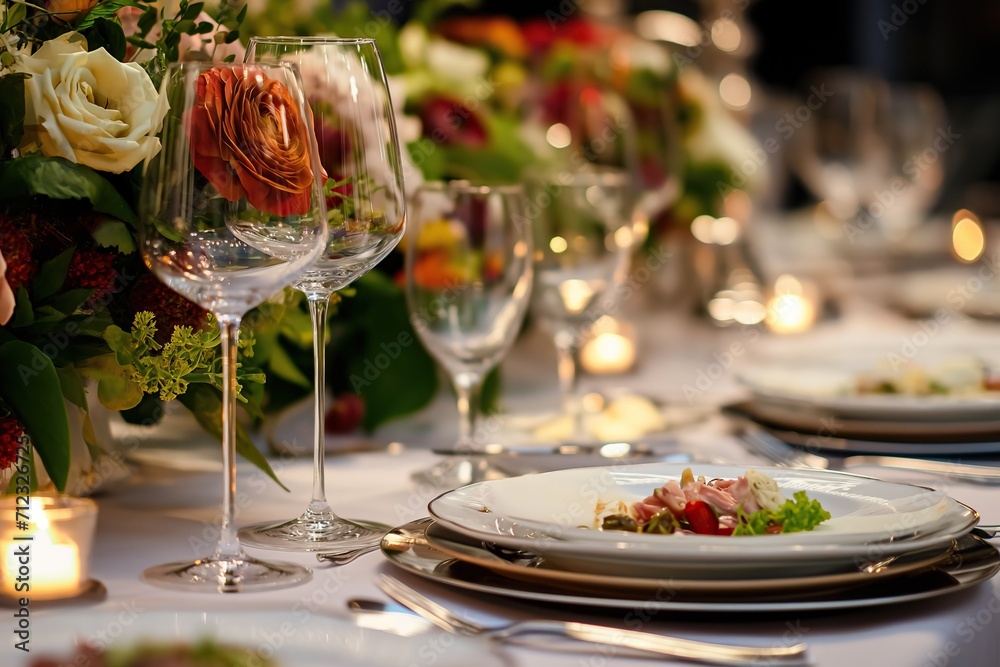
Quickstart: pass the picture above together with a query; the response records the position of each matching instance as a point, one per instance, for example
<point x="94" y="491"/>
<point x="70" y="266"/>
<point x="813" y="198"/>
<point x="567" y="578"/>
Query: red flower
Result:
<point x="247" y="138"/>
<point x="16" y="248"/>
<point x="170" y="308"/>
<point x="92" y="269"/>
<point x="11" y="433"/>
<point x="449" y="122"/>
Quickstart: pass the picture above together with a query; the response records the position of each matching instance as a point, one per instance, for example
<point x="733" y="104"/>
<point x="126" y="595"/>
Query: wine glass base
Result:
<point x="222" y="575"/>
<point x="302" y="534"/>
<point x="457" y="471"/>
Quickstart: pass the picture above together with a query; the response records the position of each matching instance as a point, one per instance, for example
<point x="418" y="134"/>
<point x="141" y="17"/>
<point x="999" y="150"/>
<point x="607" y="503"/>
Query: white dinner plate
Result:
<point x="825" y="381"/>
<point x="545" y="514"/>
<point x="290" y="639"/>
<point x="973" y="562"/>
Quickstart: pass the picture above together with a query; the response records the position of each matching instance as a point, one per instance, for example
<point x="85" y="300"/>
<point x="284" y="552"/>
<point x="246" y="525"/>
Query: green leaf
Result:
<point x="59" y="178"/>
<point x="30" y="385"/>
<point x="11" y="111"/>
<point x="243" y="14"/>
<point x="71" y="383"/>
<point x="205" y="404"/>
<point x="391" y="370"/>
<point x="146" y="21"/>
<point x="67" y="302"/>
<point x="15" y="13"/>
<point x="52" y="275"/>
<point x="232" y="36"/>
<point x="103" y="10"/>
<point x="193" y="10"/>
<point x="115" y="388"/>
<point x="111" y="233"/>
<point x="24" y="314"/>
<point x="282" y="365"/>
<point x="109" y="35"/>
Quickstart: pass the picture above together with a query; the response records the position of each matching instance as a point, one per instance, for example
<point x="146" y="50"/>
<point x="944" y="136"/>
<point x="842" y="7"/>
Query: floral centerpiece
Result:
<point x="79" y="311"/>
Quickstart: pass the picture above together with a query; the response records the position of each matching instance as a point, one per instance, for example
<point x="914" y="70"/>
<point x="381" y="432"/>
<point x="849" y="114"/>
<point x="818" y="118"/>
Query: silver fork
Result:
<point x="718" y="654"/>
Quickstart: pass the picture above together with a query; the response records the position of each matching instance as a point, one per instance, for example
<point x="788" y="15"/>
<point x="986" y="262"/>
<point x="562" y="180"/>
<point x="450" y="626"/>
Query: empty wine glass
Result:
<point x="468" y="284"/>
<point x="870" y="150"/>
<point x="356" y="131"/>
<point x="231" y="211"/>
<point x="584" y="238"/>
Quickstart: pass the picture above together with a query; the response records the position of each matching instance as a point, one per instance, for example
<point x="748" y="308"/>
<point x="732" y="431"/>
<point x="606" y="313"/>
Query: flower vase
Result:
<point x="92" y="466"/>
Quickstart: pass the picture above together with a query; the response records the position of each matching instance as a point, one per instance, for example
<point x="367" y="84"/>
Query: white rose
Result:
<point x="456" y="63"/>
<point x="87" y="107"/>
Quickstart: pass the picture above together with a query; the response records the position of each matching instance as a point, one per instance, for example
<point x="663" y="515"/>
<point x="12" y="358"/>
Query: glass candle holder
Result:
<point x="46" y="544"/>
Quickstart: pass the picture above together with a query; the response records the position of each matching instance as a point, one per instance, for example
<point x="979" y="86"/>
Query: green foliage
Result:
<point x="189" y="357"/>
<point x="107" y="34"/>
<point x="104" y="11"/>
<point x="381" y="329"/>
<point x="11" y="112"/>
<point x="794" y="516"/>
<point x="58" y="178"/>
<point x="30" y="386"/>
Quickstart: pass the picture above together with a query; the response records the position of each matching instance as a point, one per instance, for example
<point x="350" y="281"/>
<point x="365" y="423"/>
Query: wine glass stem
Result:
<point x="229" y="544"/>
<point x="318" y="305"/>
<point x="467" y="386"/>
<point x="566" y="350"/>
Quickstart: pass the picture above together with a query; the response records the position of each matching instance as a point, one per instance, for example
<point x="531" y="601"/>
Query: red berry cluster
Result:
<point x="92" y="269"/>
<point x="170" y="308"/>
<point x="11" y="432"/>
<point x="16" y="248"/>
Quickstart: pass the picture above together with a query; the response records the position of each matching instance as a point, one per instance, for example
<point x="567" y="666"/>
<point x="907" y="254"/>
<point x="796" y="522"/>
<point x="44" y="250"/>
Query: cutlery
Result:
<point x="775" y="448"/>
<point x="337" y="558"/>
<point x="719" y="654"/>
<point x="986" y="532"/>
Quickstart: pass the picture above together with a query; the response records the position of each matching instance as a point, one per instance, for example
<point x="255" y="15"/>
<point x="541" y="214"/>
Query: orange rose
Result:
<point x="70" y="10"/>
<point x="249" y="140"/>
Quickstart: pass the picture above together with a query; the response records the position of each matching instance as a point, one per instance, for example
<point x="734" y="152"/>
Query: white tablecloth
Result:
<point x="162" y="515"/>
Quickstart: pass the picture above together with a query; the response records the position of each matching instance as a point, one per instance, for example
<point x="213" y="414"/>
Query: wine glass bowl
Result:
<point x="232" y="210"/>
<point x="469" y="275"/>
<point x="861" y="150"/>
<point x="358" y="148"/>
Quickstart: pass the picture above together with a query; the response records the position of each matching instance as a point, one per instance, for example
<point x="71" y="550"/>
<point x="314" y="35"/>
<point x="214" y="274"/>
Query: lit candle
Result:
<point x="44" y="563"/>
<point x="610" y="351"/>
<point x="792" y="309"/>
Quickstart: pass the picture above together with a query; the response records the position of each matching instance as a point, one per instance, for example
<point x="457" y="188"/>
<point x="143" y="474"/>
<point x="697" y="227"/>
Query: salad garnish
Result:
<point x="748" y="505"/>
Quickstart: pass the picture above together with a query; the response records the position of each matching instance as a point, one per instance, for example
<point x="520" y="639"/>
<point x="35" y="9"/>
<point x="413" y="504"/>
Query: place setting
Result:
<point x="532" y="335"/>
<point x="537" y="538"/>
<point x="928" y="409"/>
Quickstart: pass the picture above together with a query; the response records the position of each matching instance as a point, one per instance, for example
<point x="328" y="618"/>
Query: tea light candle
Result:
<point x="610" y="351"/>
<point x="48" y="560"/>
<point x="792" y="309"/>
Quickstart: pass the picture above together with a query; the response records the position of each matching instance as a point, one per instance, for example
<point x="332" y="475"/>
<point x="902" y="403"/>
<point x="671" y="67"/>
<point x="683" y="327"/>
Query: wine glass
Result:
<point x="584" y="235"/>
<point x="860" y="143"/>
<point x="468" y="284"/>
<point x="231" y="212"/>
<point x="347" y="91"/>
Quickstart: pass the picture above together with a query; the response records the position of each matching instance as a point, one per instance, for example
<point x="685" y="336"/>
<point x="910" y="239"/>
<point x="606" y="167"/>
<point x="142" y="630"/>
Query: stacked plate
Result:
<point x="813" y="401"/>
<point x="533" y="537"/>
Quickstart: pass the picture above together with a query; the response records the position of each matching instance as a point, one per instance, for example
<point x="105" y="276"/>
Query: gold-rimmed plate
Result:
<point x="972" y="562"/>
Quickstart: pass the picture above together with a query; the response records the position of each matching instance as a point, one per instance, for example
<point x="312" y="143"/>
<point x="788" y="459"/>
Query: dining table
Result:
<point x="167" y="508"/>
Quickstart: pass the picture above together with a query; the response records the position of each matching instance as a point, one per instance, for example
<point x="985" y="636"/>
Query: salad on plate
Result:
<point x="751" y="504"/>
